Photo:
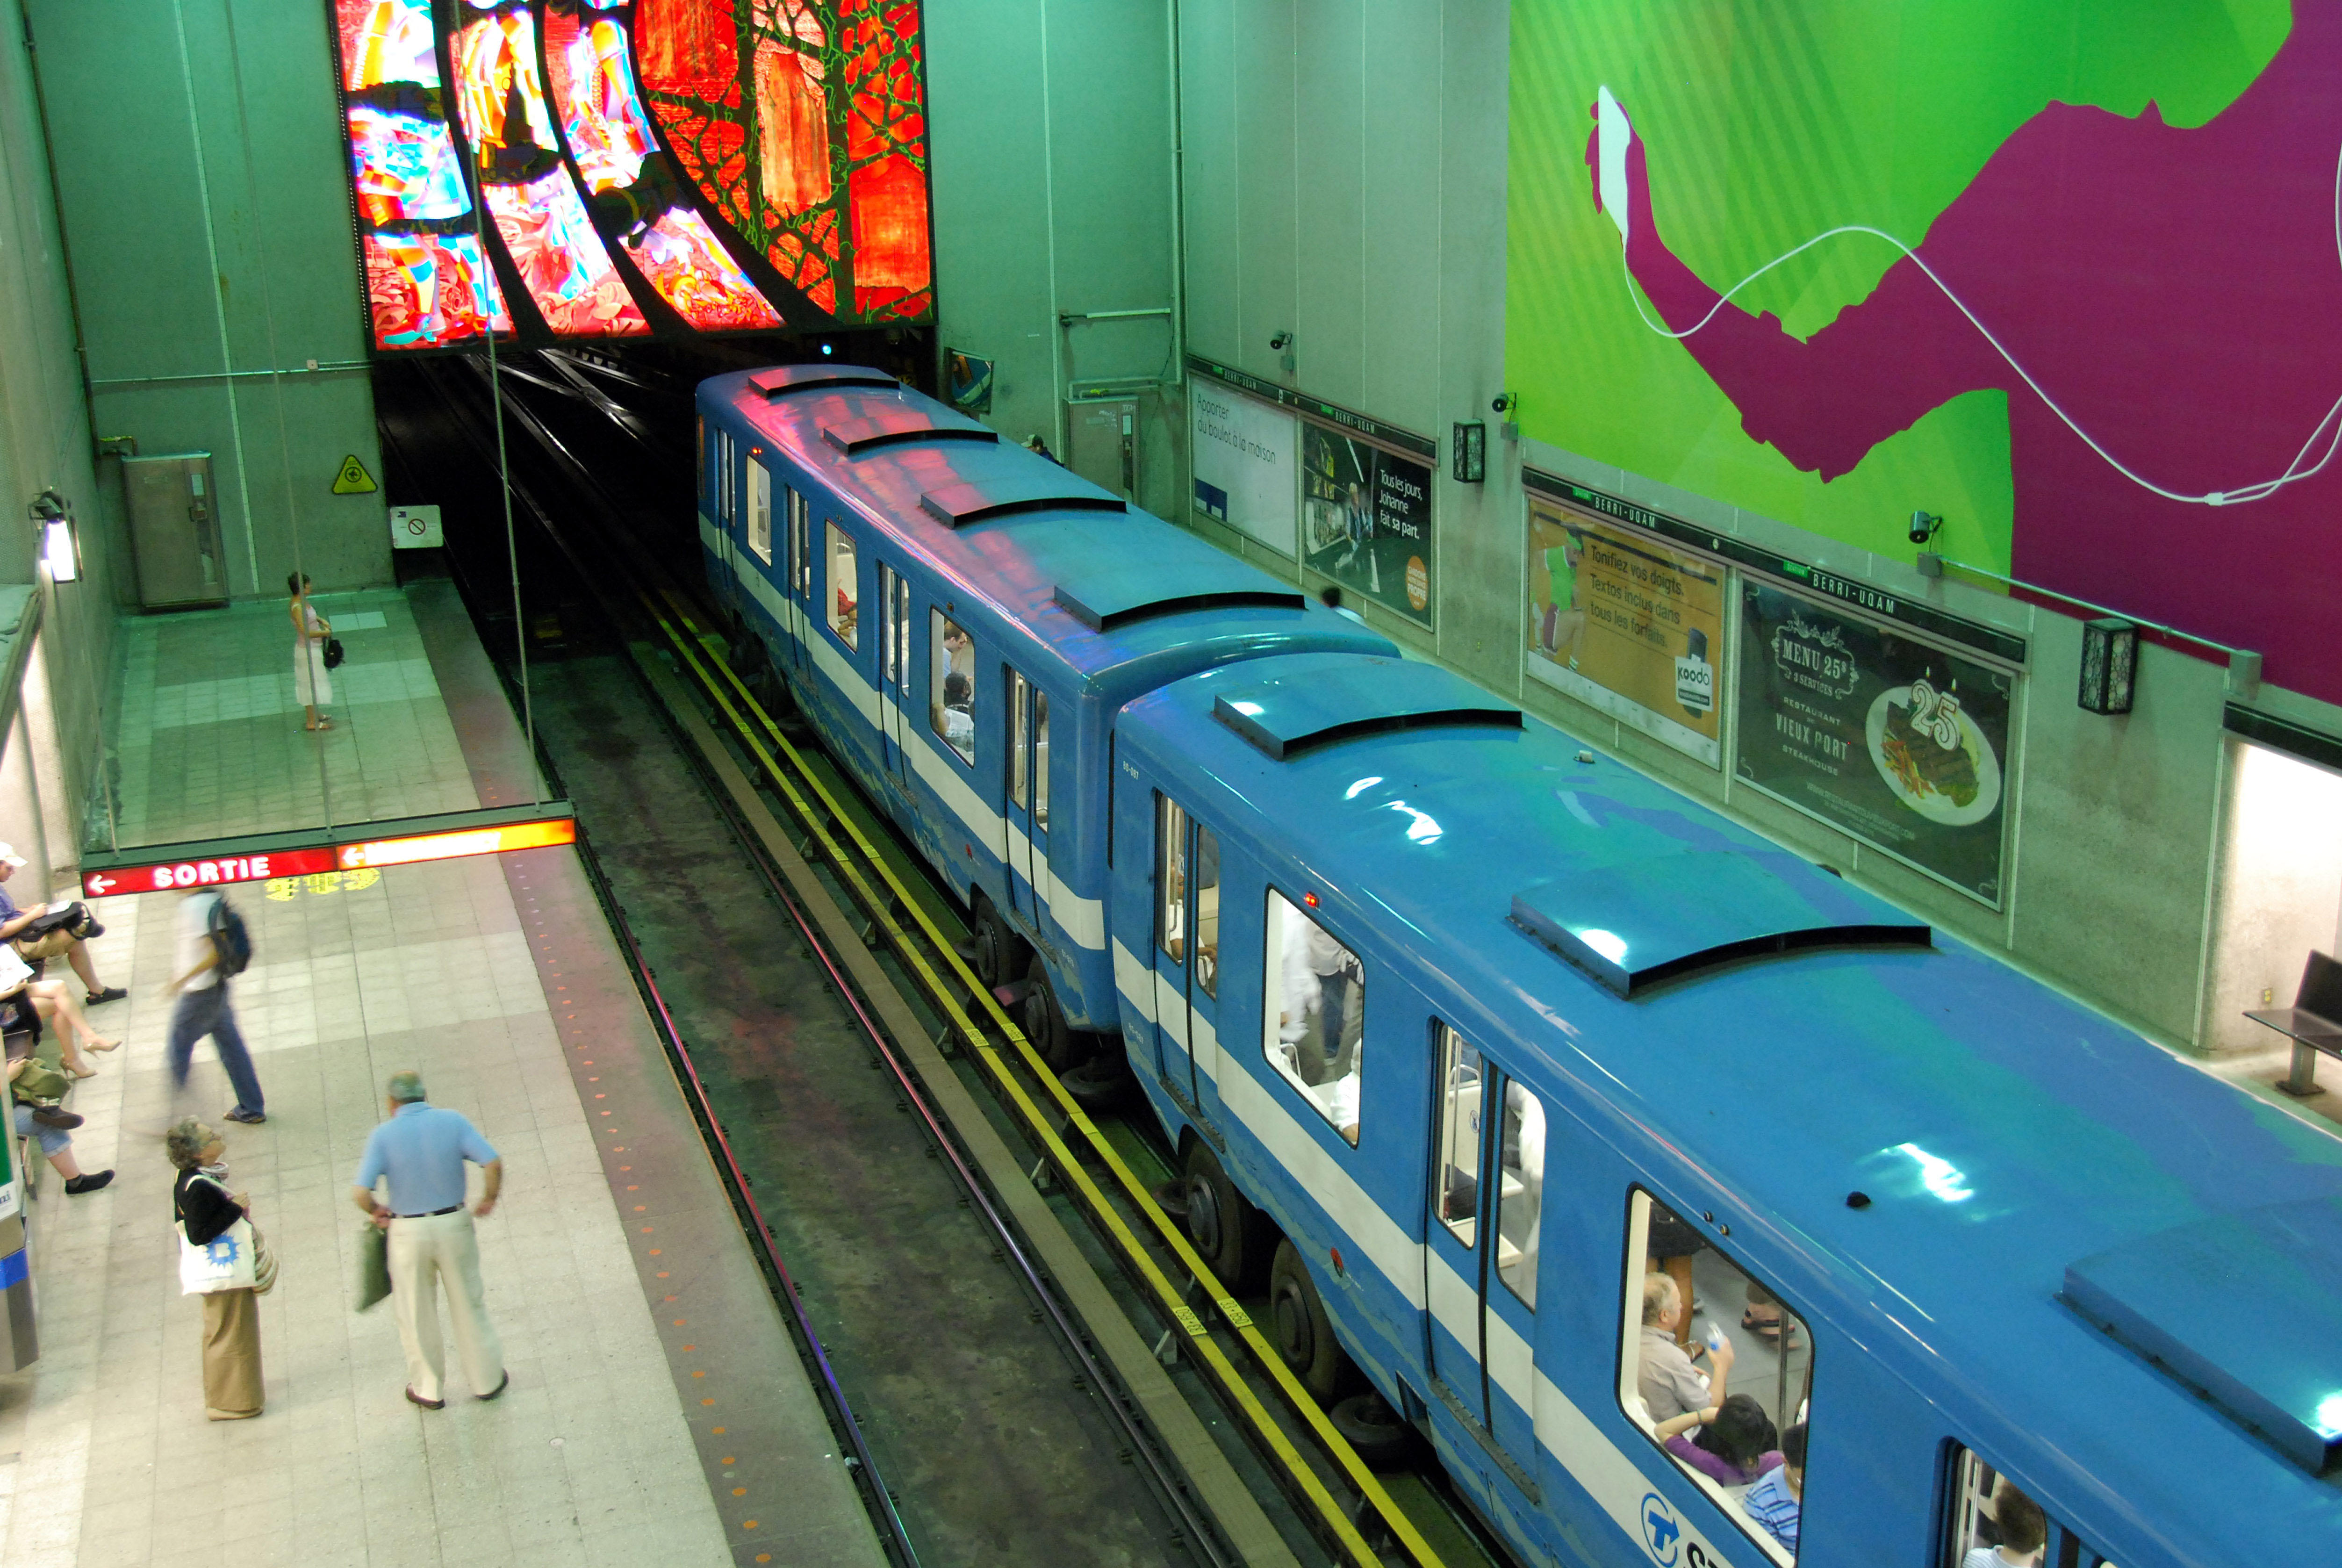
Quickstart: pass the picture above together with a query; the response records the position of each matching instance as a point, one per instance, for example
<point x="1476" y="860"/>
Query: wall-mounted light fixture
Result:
<point x="60" y="548"/>
<point x="1924" y="526"/>
<point x="2109" y="665"/>
<point x="1467" y="453"/>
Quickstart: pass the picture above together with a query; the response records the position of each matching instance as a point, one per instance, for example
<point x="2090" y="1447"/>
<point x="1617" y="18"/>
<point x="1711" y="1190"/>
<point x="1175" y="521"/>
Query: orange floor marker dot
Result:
<point x="638" y="1208"/>
<point x="764" y="1557"/>
<point x="654" y="1251"/>
<point x="747" y="1525"/>
<point x="662" y="1273"/>
<point x="678" y="1323"/>
<point x="739" y="1492"/>
<point x="729" y="1460"/>
<point x="718" y="1431"/>
<point x="707" y="1402"/>
<point x="699" y="1374"/>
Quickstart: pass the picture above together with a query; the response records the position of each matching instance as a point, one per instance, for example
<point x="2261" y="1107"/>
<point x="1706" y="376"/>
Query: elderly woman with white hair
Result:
<point x="207" y="1211"/>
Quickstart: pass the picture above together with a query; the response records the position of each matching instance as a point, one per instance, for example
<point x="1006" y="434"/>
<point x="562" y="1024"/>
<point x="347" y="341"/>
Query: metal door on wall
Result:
<point x="1103" y="443"/>
<point x="175" y="530"/>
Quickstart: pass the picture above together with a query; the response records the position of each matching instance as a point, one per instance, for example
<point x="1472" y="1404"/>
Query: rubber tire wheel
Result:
<point x="1225" y="1229"/>
<point x="1043" y="1021"/>
<point x="995" y="944"/>
<point x="1381" y="1435"/>
<point x="1103" y="1083"/>
<point x="1297" y="1326"/>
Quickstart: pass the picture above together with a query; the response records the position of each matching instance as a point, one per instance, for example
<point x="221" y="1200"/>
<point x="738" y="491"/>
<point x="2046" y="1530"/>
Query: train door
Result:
<point x="798" y="587"/>
<point x="1186" y="945"/>
<point x="1481" y="1251"/>
<point x="1024" y="697"/>
<point x="895" y="670"/>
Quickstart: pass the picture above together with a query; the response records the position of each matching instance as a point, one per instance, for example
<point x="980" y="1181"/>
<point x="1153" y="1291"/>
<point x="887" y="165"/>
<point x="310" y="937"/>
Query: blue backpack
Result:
<point x="231" y="942"/>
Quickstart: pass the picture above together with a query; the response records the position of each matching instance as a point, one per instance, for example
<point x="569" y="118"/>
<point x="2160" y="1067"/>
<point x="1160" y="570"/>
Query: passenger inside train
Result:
<point x="845" y="588"/>
<point x="1520" y="1163"/>
<point x="1318" y="1004"/>
<point x="953" y="712"/>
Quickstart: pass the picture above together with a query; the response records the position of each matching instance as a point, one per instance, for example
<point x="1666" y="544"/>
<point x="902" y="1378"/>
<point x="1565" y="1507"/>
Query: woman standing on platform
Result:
<point x="311" y="685"/>
<point x="205" y="1211"/>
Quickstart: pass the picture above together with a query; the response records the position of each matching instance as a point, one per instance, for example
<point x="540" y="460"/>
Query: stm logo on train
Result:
<point x="1663" y="1537"/>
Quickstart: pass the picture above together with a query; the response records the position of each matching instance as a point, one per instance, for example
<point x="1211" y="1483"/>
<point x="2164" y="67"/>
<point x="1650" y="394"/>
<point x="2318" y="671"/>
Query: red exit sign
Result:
<point x="176" y="875"/>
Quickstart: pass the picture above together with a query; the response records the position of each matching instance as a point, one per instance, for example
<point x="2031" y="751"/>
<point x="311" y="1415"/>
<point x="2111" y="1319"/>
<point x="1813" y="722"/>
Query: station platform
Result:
<point x="658" y="1412"/>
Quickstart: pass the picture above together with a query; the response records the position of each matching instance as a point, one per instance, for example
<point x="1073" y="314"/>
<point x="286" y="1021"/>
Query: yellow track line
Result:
<point x="688" y="646"/>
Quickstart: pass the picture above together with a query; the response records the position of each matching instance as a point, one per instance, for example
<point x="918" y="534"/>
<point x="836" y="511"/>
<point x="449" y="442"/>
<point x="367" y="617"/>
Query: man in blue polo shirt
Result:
<point x="422" y="1150"/>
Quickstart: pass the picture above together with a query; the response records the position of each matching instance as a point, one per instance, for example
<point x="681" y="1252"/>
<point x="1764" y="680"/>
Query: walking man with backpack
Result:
<point x="213" y="945"/>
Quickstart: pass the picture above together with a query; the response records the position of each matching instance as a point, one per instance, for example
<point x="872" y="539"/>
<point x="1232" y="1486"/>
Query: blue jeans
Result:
<point x="206" y="1011"/>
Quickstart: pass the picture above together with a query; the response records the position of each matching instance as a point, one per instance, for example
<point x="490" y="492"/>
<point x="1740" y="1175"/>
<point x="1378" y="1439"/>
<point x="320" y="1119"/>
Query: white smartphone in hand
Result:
<point x="1612" y="133"/>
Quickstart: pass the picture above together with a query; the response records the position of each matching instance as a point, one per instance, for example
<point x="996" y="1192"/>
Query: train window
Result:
<point x="951" y="694"/>
<point x="1520" y="1191"/>
<point x="1315" y="1014"/>
<point x="1207" y="910"/>
<point x="844" y="588"/>
<point x="1460" y="1073"/>
<point x="1995" y="1525"/>
<point x="760" y="510"/>
<point x="1041" y="759"/>
<point x="801" y="546"/>
<point x="1171" y="878"/>
<point x="1020" y="703"/>
<point x="1726" y="1401"/>
<point x="700" y="440"/>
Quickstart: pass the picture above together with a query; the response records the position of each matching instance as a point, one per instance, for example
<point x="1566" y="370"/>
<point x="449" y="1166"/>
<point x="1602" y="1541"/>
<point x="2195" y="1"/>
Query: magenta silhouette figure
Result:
<point x="2176" y="294"/>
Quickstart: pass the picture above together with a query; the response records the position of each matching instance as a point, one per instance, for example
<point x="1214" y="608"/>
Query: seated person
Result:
<point x="1779" y="1496"/>
<point x="1670" y="1385"/>
<point x="13" y="924"/>
<point x="1731" y="1442"/>
<point x="46" y="1126"/>
<point x="2024" y="1531"/>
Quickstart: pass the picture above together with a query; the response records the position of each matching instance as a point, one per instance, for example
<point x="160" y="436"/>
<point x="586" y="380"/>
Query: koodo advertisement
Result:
<point x="1894" y="740"/>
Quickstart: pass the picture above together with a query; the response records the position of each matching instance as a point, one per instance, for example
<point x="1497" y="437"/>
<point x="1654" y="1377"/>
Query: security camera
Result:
<point x="1924" y="526"/>
<point x="1504" y="401"/>
<point x="1281" y="342"/>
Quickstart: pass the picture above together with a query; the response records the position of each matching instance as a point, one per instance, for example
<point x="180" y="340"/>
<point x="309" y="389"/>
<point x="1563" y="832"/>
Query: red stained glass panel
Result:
<point x="562" y="261"/>
<point x="428" y="291"/>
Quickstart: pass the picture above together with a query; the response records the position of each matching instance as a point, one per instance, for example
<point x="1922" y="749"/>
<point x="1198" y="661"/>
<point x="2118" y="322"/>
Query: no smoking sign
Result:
<point x="415" y="528"/>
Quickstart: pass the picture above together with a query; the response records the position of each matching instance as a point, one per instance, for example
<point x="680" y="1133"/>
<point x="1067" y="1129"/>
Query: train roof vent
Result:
<point x="902" y="426"/>
<point x="1114" y="590"/>
<point x="1631" y="926"/>
<point x="1345" y="699"/>
<point x="982" y="500"/>
<point x="783" y="378"/>
<point x="2244" y="1308"/>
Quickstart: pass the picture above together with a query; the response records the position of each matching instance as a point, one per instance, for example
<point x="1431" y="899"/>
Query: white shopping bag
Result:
<point x="225" y="1263"/>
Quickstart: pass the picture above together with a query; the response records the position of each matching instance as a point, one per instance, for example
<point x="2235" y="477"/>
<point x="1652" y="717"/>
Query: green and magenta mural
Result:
<point x="2067" y="274"/>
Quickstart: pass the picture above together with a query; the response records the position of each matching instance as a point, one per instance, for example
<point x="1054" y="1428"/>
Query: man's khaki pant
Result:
<point x="423" y="1253"/>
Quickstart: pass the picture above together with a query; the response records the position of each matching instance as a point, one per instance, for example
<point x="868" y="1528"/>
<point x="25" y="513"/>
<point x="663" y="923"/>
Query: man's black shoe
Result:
<point x="88" y="1183"/>
<point x="99" y="998"/>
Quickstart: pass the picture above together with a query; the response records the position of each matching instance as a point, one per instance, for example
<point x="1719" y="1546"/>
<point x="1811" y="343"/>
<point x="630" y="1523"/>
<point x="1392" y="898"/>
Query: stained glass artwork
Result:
<point x="592" y="81"/>
<point x="682" y="258"/>
<point x="562" y="261"/>
<point x="427" y="290"/>
<point x="803" y="124"/>
<point x="386" y="41"/>
<point x="495" y="72"/>
<point x="403" y="167"/>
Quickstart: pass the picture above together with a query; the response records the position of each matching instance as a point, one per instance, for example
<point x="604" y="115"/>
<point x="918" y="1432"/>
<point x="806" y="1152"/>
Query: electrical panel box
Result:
<point x="175" y="530"/>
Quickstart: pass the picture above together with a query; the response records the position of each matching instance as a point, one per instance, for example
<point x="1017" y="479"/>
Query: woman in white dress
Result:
<point x="311" y="685"/>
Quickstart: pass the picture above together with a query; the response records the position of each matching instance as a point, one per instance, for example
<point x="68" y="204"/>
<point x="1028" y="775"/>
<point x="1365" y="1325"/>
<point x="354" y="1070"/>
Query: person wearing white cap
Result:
<point x="14" y="920"/>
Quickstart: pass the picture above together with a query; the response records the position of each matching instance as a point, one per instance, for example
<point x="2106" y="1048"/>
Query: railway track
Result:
<point x="877" y="934"/>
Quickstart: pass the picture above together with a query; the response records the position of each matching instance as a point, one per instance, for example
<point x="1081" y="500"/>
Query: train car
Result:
<point x="1014" y="603"/>
<point x="1524" y="1076"/>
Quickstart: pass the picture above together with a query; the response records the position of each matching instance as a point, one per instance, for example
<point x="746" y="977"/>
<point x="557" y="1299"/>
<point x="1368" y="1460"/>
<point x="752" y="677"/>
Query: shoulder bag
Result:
<point x="237" y="1259"/>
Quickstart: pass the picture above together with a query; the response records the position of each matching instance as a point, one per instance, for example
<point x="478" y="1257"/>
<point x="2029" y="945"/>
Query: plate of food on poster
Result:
<point x="1930" y="753"/>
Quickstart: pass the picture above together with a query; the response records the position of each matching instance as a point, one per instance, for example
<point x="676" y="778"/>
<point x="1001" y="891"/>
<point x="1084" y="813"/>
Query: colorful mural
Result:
<point x="2064" y="280"/>
<point x="804" y="123"/>
<point x="586" y="209"/>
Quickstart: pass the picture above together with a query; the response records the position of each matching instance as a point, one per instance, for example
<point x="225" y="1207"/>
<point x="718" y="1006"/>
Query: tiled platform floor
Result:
<point x="208" y="740"/>
<point x="586" y="1460"/>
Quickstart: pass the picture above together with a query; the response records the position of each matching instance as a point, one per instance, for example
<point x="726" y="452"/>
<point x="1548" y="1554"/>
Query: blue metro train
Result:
<point x="1842" y="1207"/>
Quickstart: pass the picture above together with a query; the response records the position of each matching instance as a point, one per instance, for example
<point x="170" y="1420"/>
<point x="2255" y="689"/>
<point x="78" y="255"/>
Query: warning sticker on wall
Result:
<point x="352" y="479"/>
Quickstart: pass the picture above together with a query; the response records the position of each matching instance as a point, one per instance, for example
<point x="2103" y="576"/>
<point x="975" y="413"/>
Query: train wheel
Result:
<point x="994" y="945"/>
<point x="1104" y="1082"/>
<point x="1045" y="1020"/>
<point x="1225" y="1228"/>
<point x="1298" y="1324"/>
<point x="1380" y="1434"/>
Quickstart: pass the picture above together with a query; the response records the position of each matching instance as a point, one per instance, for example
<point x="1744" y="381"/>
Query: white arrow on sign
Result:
<point x="99" y="884"/>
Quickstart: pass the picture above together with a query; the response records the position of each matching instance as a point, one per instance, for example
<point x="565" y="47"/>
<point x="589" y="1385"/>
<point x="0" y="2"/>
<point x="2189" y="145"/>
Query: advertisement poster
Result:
<point x="1243" y="464"/>
<point x="1895" y="741"/>
<point x="1624" y="622"/>
<point x="1365" y="520"/>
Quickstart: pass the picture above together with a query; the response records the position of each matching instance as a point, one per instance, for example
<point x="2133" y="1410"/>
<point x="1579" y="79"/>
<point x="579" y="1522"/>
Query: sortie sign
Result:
<point x="173" y="875"/>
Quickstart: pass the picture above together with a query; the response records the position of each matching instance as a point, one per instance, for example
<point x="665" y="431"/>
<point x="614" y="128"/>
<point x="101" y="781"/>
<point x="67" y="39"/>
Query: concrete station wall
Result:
<point x="1354" y="175"/>
<point x="199" y="164"/>
<point x="45" y="444"/>
<point x="1053" y="196"/>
